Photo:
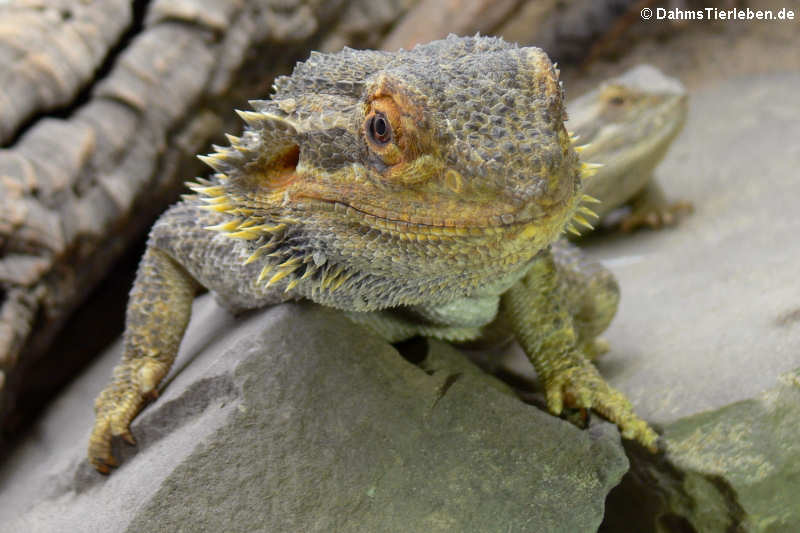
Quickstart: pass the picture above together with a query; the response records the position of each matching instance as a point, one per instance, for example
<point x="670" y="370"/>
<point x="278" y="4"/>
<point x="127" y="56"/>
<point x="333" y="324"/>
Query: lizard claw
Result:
<point x="118" y="405"/>
<point x="100" y="447"/>
<point x="115" y="411"/>
<point x="582" y="387"/>
<point x="127" y="436"/>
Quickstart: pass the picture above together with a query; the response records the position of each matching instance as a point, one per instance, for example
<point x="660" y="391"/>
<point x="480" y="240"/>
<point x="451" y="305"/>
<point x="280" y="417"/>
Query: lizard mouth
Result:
<point x="403" y="223"/>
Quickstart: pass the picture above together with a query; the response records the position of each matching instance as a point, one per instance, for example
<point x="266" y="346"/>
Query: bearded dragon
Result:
<point x="421" y="192"/>
<point x="628" y="123"/>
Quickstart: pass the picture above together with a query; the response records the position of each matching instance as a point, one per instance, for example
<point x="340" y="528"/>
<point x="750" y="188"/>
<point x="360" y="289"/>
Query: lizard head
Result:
<point x="631" y="120"/>
<point x="452" y="155"/>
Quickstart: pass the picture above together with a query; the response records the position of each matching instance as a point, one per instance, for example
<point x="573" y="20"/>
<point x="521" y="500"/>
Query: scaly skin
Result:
<point x="418" y="191"/>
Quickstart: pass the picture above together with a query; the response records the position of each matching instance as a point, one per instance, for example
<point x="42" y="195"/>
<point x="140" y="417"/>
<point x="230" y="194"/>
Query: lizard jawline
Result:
<point x="494" y="224"/>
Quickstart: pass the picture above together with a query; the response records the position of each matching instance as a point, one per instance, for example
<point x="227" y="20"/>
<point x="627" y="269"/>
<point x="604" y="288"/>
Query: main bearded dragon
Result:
<point x="421" y="192"/>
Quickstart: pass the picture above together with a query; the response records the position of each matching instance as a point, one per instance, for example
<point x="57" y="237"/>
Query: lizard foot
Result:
<point x="116" y="407"/>
<point x="655" y="216"/>
<point x="582" y="387"/>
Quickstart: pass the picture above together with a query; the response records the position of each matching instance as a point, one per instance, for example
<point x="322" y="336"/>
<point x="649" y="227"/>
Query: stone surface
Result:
<point x="706" y="343"/>
<point x="293" y="419"/>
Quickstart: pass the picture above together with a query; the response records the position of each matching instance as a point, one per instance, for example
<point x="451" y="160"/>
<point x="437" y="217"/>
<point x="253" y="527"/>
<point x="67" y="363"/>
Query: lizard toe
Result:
<point x="116" y="407"/>
<point x="99" y="451"/>
<point x="582" y="387"/>
<point x="124" y="413"/>
<point x="641" y="432"/>
<point x="656" y="217"/>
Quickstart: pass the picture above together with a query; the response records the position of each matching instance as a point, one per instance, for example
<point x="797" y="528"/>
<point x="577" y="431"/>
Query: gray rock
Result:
<point x="706" y="343"/>
<point x="294" y="419"/>
<point x="708" y="339"/>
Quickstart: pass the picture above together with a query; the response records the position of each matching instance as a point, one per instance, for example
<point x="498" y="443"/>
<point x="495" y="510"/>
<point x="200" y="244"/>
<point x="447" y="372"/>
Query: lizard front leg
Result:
<point x="538" y="314"/>
<point x="650" y="208"/>
<point x="158" y="311"/>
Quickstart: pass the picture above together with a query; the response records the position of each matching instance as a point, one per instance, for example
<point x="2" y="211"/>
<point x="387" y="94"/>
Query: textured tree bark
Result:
<point x="103" y="106"/>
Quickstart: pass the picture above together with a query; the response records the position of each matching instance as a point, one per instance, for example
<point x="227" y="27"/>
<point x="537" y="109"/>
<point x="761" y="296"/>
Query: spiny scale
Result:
<point x="248" y="231"/>
<point x="335" y="276"/>
<point x="219" y="208"/>
<point x="589" y="169"/>
<point x="342" y="278"/>
<point x="226" y="227"/>
<point x="207" y="190"/>
<point x="570" y="227"/>
<point x="245" y="234"/>
<point x="281" y="274"/>
<point x="311" y="269"/>
<point x="267" y="122"/>
<point x="223" y="160"/>
<point x="590" y="199"/>
<point x="250" y="228"/>
<point x="215" y="199"/>
<point x="254" y="119"/>
<point x="264" y="273"/>
<point x="292" y="261"/>
<point x="582" y="221"/>
<point x="261" y="250"/>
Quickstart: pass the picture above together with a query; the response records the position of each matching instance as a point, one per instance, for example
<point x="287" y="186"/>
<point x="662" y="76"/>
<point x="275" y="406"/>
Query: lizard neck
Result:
<point x="357" y="268"/>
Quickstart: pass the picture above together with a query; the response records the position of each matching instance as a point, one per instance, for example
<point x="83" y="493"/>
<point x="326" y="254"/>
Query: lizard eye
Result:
<point x="616" y="95"/>
<point x="379" y="129"/>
